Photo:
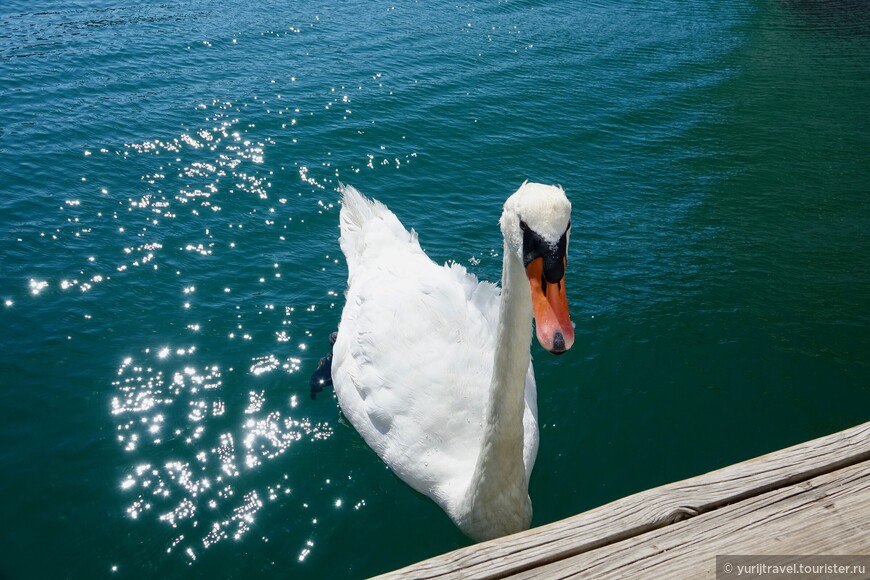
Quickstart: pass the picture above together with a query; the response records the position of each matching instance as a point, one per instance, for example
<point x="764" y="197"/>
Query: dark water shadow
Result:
<point x="847" y="17"/>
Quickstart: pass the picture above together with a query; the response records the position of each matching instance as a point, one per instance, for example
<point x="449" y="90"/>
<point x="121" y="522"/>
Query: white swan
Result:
<point x="433" y="367"/>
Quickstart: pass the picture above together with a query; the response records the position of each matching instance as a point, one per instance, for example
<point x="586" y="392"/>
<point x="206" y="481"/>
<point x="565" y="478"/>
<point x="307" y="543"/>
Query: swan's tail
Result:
<point x="366" y="224"/>
<point x="356" y="209"/>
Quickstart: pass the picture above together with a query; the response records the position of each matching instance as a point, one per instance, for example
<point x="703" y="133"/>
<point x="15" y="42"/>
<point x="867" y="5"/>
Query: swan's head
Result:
<point x="536" y="223"/>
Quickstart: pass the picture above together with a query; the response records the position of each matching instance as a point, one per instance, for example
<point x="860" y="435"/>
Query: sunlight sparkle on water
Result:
<point x="190" y="491"/>
<point x="37" y="286"/>
<point x="195" y="452"/>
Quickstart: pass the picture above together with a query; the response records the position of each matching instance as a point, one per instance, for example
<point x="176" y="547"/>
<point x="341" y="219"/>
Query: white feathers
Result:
<point x="414" y="357"/>
<point x="544" y="208"/>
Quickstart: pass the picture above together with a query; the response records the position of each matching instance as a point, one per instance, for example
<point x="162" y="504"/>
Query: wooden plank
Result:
<point x="648" y="510"/>
<point x="829" y="514"/>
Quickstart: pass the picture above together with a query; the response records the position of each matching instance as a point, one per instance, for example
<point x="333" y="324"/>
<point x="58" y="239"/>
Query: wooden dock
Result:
<point x="813" y="498"/>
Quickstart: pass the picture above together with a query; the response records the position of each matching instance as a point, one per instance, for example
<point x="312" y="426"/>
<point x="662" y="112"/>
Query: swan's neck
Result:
<point x="498" y="497"/>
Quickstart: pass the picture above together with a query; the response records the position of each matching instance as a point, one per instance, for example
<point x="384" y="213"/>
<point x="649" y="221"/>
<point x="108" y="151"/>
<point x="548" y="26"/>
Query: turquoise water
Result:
<point x="170" y="267"/>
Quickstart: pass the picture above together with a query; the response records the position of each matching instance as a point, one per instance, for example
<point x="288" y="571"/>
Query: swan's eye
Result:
<point x="523" y="225"/>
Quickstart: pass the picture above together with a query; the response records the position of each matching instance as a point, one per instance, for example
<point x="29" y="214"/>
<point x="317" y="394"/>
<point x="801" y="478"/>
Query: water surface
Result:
<point x="171" y="271"/>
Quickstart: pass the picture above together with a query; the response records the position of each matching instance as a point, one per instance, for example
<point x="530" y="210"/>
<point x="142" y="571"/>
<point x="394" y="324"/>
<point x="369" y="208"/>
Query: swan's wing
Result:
<point x="411" y="368"/>
<point x="413" y="358"/>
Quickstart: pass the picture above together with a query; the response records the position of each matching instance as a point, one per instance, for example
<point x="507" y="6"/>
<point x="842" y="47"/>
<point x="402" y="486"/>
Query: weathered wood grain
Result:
<point x="649" y="510"/>
<point x="829" y="514"/>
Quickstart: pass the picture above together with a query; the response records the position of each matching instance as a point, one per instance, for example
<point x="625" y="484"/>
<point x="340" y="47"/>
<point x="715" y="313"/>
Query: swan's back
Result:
<point x="413" y="359"/>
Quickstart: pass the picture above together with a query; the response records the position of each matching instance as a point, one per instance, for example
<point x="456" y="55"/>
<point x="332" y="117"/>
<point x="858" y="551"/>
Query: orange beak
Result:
<point x="550" y="303"/>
